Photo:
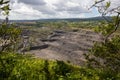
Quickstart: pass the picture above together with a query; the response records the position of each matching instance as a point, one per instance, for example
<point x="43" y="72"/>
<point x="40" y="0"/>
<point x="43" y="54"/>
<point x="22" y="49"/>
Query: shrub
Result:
<point x="24" y="67"/>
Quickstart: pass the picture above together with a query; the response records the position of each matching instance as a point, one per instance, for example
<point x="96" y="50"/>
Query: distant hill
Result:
<point x="64" y="19"/>
<point x="77" y="19"/>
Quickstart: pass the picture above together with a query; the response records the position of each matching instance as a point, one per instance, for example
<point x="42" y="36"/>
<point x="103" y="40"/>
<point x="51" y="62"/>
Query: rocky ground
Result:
<point x="66" y="46"/>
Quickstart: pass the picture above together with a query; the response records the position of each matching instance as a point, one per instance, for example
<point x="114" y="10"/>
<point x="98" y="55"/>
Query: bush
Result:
<point x="106" y="56"/>
<point x="23" y="67"/>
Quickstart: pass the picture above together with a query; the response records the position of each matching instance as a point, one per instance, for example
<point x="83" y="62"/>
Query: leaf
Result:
<point x="6" y="2"/>
<point x="96" y="1"/>
<point x="108" y="4"/>
<point x="5" y="8"/>
<point x="1" y="2"/>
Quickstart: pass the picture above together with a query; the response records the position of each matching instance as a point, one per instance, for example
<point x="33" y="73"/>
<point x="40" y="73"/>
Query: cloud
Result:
<point x="47" y="9"/>
<point x="35" y="9"/>
<point x="70" y="6"/>
<point x="31" y="2"/>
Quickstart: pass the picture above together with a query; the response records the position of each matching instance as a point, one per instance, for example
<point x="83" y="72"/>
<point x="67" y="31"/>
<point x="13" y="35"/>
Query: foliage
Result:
<point x="8" y="36"/>
<point x="4" y="6"/>
<point x="66" y="25"/>
<point x="104" y="9"/>
<point x="19" y="67"/>
<point x="104" y="28"/>
<point x="109" y="54"/>
<point x="106" y="55"/>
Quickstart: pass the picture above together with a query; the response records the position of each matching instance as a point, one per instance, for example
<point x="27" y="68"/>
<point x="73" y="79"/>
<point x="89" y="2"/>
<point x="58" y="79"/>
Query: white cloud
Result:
<point x="28" y="9"/>
<point x="25" y="9"/>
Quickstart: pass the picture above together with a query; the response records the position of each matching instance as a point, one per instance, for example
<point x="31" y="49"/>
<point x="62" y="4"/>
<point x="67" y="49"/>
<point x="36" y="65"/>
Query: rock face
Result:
<point x="66" y="46"/>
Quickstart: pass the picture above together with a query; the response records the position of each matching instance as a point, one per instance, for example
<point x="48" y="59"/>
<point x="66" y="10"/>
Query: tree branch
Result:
<point x="117" y="23"/>
<point x="96" y="3"/>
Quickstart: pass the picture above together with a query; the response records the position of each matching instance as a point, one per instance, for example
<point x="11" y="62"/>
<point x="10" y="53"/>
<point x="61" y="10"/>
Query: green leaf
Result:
<point x="5" y="7"/>
<point x="108" y="4"/>
<point x="6" y="2"/>
<point x="1" y="2"/>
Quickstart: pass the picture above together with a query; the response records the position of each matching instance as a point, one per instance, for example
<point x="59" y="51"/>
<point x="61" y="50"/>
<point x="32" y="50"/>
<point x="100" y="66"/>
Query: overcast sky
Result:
<point x="40" y="9"/>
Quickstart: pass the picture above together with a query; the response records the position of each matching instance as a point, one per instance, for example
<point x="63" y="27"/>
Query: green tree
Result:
<point x="9" y="35"/>
<point x="106" y="55"/>
<point x="109" y="26"/>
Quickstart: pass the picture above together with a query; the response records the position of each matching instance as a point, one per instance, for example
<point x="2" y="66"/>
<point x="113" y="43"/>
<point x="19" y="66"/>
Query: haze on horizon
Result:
<point x="44" y="9"/>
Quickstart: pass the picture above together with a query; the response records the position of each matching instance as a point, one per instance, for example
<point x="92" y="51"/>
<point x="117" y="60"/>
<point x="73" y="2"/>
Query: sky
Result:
<point x="44" y="9"/>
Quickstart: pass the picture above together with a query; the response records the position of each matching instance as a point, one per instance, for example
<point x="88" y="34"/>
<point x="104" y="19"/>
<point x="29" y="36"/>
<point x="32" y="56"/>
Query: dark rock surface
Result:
<point x="66" y="46"/>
